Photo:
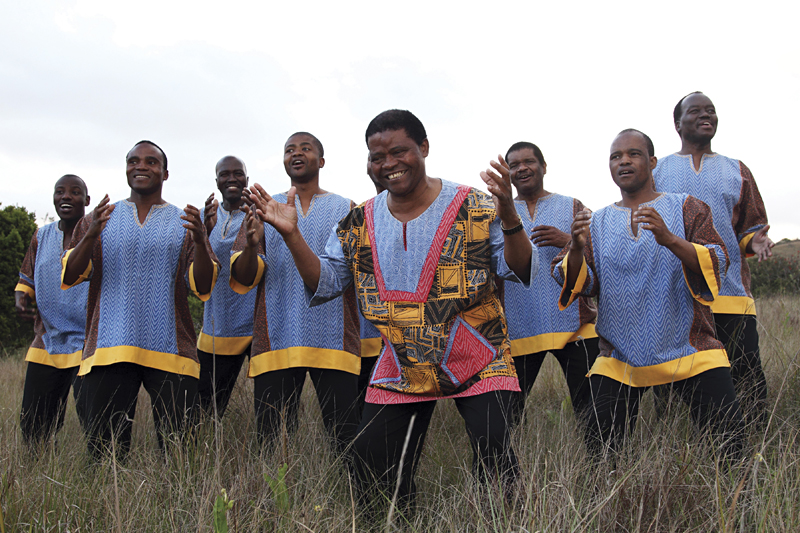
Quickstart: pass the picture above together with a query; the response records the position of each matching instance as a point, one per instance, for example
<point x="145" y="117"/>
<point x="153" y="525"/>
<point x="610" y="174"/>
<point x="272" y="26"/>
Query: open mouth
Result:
<point x="297" y="163"/>
<point x="395" y="175"/>
<point x="65" y="206"/>
<point x="626" y="172"/>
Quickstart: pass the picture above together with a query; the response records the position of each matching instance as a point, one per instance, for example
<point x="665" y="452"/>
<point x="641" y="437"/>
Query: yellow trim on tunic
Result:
<point x="550" y="341"/>
<point x="193" y="286"/>
<point x="298" y="356"/>
<point x="21" y="287"/>
<point x="223" y="345"/>
<point x="371" y="347"/>
<point x="734" y="305"/>
<point x="707" y="270"/>
<point x="83" y="277"/>
<point x="579" y="283"/>
<point x="744" y="242"/>
<point x="237" y="287"/>
<point x="168" y="362"/>
<point x="56" y="360"/>
<point x="663" y="373"/>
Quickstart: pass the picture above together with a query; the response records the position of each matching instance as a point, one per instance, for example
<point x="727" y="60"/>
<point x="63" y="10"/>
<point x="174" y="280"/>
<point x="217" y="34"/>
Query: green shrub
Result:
<point x="17" y="226"/>
<point x="196" y="310"/>
<point x="777" y="275"/>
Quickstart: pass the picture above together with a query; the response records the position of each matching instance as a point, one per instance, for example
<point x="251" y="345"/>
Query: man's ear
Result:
<point x="424" y="147"/>
<point x="653" y="162"/>
<point x="321" y="162"/>
<point x="88" y="200"/>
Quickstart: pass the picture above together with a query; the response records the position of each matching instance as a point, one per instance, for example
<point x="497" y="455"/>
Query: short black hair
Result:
<point x="678" y="111"/>
<point x="395" y="120"/>
<point x="651" y="150"/>
<point x="316" y="141"/>
<point x="516" y="147"/>
<point x="151" y="143"/>
<point x="83" y="183"/>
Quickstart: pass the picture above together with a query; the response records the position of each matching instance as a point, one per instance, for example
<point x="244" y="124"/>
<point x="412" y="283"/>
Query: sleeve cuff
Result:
<point x="83" y="277"/>
<point x="193" y="286"/>
<point x="708" y="275"/>
<point x="579" y="283"/>
<point x="744" y="242"/>
<point x="21" y="287"/>
<point x="237" y="287"/>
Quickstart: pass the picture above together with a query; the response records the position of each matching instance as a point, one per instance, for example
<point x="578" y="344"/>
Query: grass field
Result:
<point x="665" y="481"/>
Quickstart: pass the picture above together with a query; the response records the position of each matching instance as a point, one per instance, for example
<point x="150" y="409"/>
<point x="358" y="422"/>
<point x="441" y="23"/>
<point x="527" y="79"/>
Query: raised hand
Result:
<point x="282" y="217"/>
<point x="580" y="229"/>
<point x="210" y="213"/>
<point x="549" y="236"/>
<point x="761" y="245"/>
<point x="650" y="220"/>
<point x="100" y="217"/>
<point x="499" y="185"/>
<point x="255" y="227"/>
<point x="194" y="224"/>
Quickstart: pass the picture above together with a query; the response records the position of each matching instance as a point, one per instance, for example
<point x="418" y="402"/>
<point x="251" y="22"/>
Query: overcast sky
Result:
<point x="81" y="82"/>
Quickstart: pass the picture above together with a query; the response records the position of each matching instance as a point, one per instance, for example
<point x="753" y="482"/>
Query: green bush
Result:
<point x="196" y="310"/>
<point x="17" y="226"/>
<point x="777" y="275"/>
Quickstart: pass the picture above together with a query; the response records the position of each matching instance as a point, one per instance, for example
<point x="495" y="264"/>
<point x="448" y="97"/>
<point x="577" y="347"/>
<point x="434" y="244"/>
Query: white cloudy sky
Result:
<point x="82" y="81"/>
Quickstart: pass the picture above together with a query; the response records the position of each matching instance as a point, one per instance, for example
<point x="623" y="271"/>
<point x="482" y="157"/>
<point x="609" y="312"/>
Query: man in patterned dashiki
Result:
<point x="728" y="187"/>
<point x="422" y="256"/>
<point x="536" y="326"/>
<point x="654" y="260"/>
<point x="59" y="319"/>
<point x="289" y="338"/>
<point x="227" y="332"/>
<point x="141" y="262"/>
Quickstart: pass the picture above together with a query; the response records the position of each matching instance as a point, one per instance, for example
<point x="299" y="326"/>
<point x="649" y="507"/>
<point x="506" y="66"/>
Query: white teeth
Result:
<point x="63" y="206"/>
<point x="395" y="175"/>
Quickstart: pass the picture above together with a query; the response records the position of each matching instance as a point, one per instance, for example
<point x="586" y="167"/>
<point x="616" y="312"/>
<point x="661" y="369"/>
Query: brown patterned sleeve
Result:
<point x="590" y="286"/>
<point x="28" y="267"/>
<point x="749" y="215"/>
<point x="699" y="229"/>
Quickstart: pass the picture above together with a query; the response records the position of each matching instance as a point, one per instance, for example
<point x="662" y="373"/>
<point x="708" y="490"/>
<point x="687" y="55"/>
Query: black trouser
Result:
<point x="217" y="379"/>
<point x="277" y="398"/>
<point x="710" y="396"/>
<point x="363" y="380"/>
<point x="378" y="448"/>
<point x="44" y="401"/>
<point x="576" y="358"/>
<point x="739" y="335"/>
<point x="111" y="393"/>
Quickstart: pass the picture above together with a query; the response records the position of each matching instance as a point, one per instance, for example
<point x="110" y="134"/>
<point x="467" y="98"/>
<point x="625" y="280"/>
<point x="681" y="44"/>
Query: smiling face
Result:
<point x="145" y="169"/>
<point x="301" y="158"/>
<point x="70" y="198"/>
<point x="698" y="122"/>
<point x="631" y="167"/>
<point x="231" y="181"/>
<point x="396" y="162"/>
<point x="527" y="172"/>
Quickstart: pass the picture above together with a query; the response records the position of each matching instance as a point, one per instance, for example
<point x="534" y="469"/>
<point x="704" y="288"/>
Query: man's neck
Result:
<point x="67" y="227"/>
<point x="306" y="192"/>
<point x="531" y="197"/>
<point x="144" y="202"/>
<point x="408" y="207"/>
<point x="635" y="199"/>
<point x="230" y="207"/>
<point x="696" y="150"/>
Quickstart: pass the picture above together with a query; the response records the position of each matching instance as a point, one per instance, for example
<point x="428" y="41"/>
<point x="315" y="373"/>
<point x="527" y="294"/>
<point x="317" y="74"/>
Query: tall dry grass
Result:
<point x="666" y="480"/>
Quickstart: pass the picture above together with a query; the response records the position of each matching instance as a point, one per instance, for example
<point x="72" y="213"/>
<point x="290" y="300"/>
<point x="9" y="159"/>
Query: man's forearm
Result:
<point x="78" y="260"/>
<point x="684" y="251"/>
<point x="203" y="269"/>
<point x="305" y="259"/>
<point x="245" y="267"/>
<point x="518" y="254"/>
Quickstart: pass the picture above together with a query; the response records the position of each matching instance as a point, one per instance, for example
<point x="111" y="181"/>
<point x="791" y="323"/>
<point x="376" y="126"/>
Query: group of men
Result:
<point x="446" y="291"/>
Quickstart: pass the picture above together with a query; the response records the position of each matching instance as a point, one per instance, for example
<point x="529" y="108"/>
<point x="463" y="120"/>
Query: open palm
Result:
<point x="281" y="216"/>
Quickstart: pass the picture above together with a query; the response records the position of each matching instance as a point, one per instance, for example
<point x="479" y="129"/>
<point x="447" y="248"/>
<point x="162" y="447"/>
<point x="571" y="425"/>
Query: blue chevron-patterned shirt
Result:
<point x="654" y="322"/>
<point x="728" y="187"/>
<point x="138" y="310"/>
<point x="535" y="323"/>
<point x="227" y="316"/>
<point x="286" y="332"/>
<point x="60" y="324"/>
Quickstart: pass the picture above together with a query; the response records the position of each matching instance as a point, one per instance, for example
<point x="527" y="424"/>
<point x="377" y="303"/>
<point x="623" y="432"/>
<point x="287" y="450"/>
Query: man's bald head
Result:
<point x="228" y="159"/>
<point x="232" y="179"/>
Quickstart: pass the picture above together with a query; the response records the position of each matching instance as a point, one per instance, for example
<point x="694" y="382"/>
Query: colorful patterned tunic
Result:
<point x="140" y="275"/>
<point x="227" y="316"/>
<point x="535" y="323"/>
<point x="371" y="342"/>
<point x="428" y="287"/>
<point x="286" y="332"/>
<point x="728" y="187"/>
<point x="60" y="323"/>
<point x="654" y="321"/>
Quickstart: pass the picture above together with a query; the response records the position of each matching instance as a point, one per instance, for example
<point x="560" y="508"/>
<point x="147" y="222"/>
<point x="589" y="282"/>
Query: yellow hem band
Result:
<point x="237" y="287"/>
<point x="21" y="287"/>
<point x="663" y="373"/>
<point x="550" y="341"/>
<point x="733" y="305"/>
<point x="223" y="345"/>
<point x="304" y="356"/>
<point x="56" y="360"/>
<point x="371" y="347"/>
<point x="168" y="362"/>
<point x="193" y="286"/>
